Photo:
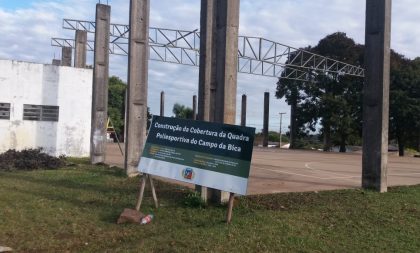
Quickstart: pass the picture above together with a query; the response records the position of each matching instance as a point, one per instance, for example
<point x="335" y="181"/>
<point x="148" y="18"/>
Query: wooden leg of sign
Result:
<point x="140" y="198"/>
<point x="230" y="208"/>
<point x="152" y="186"/>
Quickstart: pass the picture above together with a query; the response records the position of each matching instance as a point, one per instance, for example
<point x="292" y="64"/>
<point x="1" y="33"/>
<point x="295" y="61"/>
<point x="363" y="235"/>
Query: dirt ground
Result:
<point x="275" y="170"/>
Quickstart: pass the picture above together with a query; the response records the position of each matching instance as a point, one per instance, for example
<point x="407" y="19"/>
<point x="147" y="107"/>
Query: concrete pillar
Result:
<point x="194" y="107"/>
<point x="376" y="95"/>
<point x="138" y="56"/>
<point x="80" y="49"/>
<point x="226" y="60"/>
<point x="56" y="62"/>
<point x="205" y="82"/>
<point x="266" y="118"/>
<point x="207" y="49"/>
<point x="243" y="110"/>
<point x="218" y="66"/>
<point x="66" y="56"/>
<point x="100" y="84"/>
<point x="162" y="103"/>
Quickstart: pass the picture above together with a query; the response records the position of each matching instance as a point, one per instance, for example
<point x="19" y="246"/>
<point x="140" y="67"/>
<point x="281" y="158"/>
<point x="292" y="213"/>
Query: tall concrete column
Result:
<point x="162" y="103"/>
<point x="218" y="65"/>
<point x="226" y="60"/>
<point x="266" y="118"/>
<point x="80" y="49"/>
<point x="138" y="56"/>
<point x="205" y="81"/>
<point x="66" y="53"/>
<point x="100" y="85"/>
<point x="194" y="107"/>
<point x="243" y="110"/>
<point x="207" y="49"/>
<point x="376" y="95"/>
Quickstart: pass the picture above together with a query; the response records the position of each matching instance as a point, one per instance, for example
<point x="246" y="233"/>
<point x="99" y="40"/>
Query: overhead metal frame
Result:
<point x="257" y="56"/>
<point x="189" y="57"/>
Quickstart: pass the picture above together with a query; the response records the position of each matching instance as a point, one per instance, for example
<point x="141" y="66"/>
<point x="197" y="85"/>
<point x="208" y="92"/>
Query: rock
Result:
<point x="5" y="249"/>
<point x="130" y="216"/>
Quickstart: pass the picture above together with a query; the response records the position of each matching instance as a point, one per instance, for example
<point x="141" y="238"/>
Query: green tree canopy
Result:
<point x="338" y="96"/>
<point x="405" y="102"/>
<point x="182" y="111"/>
<point x="333" y="101"/>
<point x="116" y="103"/>
<point x="329" y="100"/>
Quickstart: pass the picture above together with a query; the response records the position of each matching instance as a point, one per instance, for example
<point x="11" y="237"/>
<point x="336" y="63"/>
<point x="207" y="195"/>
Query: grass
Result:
<point x="75" y="209"/>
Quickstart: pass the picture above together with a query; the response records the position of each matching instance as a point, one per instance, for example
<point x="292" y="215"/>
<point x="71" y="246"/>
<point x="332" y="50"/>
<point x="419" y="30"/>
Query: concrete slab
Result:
<point x="274" y="170"/>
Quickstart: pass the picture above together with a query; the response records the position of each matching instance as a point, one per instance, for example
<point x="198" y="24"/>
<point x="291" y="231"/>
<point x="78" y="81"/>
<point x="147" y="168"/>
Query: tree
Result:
<point x="289" y="89"/>
<point x="182" y="111"/>
<point x="405" y="102"/>
<point x="415" y="97"/>
<point x="292" y="91"/>
<point x="334" y="101"/>
<point x="328" y="99"/>
<point x="339" y="96"/>
<point x="116" y="103"/>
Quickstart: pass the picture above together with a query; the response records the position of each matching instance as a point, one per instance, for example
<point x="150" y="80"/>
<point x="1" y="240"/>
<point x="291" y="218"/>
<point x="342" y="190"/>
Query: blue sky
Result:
<point x="30" y="25"/>
<point x="15" y="4"/>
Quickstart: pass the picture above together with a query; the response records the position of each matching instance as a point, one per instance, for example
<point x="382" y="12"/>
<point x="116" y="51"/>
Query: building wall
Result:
<point x="40" y="84"/>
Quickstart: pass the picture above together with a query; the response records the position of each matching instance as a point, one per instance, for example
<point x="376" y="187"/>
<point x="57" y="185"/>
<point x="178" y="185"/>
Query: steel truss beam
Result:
<point x="190" y="57"/>
<point x="257" y="56"/>
<point x="161" y="36"/>
<point x="157" y="52"/>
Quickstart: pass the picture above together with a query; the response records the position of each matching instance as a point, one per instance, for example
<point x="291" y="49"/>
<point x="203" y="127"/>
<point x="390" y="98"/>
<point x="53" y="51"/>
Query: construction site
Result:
<point x="62" y="108"/>
<point x="216" y="89"/>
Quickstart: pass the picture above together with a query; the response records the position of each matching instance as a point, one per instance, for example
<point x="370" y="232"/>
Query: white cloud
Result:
<point x="26" y="34"/>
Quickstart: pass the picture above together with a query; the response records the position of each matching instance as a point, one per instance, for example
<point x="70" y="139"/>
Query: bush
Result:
<point x="194" y="200"/>
<point x="29" y="159"/>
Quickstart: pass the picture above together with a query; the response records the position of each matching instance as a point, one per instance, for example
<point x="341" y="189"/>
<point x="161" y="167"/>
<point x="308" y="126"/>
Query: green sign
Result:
<point x="203" y="153"/>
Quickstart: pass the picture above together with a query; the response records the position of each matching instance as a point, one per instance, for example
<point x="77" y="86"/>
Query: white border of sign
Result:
<point x="199" y="176"/>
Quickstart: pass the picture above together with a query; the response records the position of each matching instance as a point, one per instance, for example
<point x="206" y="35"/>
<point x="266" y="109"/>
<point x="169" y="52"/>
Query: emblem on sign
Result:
<point x="188" y="173"/>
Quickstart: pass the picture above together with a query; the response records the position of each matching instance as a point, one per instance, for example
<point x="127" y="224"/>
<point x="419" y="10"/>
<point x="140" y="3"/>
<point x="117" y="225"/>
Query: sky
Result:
<point x="27" y="27"/>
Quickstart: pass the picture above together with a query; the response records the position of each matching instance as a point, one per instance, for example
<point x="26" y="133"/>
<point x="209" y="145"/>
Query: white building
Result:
<point x="45" y="106"/>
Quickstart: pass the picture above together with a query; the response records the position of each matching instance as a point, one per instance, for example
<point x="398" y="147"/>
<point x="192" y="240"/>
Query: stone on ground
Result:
<point x="130" y="216"/>
<point x="5" y="249"/>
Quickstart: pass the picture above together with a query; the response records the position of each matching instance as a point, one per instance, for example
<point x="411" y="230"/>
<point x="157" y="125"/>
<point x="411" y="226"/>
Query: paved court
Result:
<point x="274" y="170"/>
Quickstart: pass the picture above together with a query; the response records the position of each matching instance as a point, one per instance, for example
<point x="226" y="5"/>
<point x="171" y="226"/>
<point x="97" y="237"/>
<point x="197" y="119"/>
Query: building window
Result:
<point x="40" y="112"/>
<point x="4" y="110"/>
